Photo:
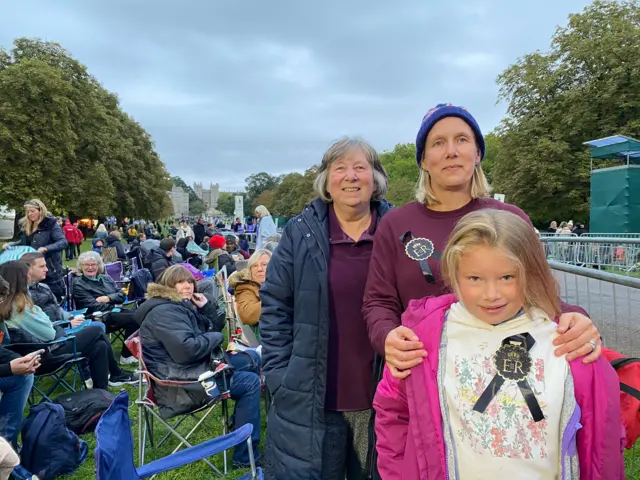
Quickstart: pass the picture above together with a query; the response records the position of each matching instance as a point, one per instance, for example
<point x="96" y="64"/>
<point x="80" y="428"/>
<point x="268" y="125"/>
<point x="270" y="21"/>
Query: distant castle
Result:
<point x="210" y="196"/>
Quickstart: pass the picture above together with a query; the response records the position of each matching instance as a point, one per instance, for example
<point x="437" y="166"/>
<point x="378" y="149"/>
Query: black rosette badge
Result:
<point x="419" y="249"/>
<point x="513" y="364"/>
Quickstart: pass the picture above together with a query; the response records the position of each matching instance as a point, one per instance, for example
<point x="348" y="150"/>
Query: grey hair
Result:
<point x="255" y="256"/>
<point x="271" y="246"/>
<point x="339" y="150"/>
<point x="274" y="238"/>
<point x="90" y="255"/>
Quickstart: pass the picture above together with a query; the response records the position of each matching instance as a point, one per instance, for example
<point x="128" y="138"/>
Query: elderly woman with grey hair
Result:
<point x="98" y="292"/>
<point x="318" y="362"/>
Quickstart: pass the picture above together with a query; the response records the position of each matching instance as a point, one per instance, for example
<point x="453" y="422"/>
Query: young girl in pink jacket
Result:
<point x="491" y="400"/>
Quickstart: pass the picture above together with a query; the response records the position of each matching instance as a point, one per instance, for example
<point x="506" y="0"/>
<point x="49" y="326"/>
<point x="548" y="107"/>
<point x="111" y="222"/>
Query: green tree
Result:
<point x="227" y="203"/>
<point x="401" y="168"/>
<point x="64" y="138"/>
<point x="584" y="87"/>
<point x="258" y="183"/>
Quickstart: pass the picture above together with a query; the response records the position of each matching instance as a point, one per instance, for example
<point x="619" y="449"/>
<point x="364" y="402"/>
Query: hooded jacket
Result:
<point x="157" y="262"/>
<point x="409" y="422"/>
<point x="247" y="296"/>
<point x="114" y="242"/>
<point x="177" y="341"/>
<point x="219" y="258"/>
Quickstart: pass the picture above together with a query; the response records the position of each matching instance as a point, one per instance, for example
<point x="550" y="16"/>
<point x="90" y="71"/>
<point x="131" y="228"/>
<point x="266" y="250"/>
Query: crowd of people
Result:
<point x="421" y="342"/>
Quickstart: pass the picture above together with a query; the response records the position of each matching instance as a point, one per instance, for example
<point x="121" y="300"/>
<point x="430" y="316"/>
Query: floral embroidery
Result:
<point x="506" y="428"/>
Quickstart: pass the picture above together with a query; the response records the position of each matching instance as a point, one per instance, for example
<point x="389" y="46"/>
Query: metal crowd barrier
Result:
<point x="612" y="301"/>
<point x="609" y="253"/>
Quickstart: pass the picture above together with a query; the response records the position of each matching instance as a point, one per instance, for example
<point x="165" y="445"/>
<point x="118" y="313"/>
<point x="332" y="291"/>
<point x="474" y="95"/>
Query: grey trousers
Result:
<point x="346" y="441"/>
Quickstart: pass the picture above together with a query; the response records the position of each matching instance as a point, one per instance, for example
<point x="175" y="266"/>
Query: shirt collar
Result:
<point x="337" y="235"/>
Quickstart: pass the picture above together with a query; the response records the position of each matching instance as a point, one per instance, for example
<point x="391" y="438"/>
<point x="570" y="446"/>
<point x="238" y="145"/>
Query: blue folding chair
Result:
<point x="114" y="447"/>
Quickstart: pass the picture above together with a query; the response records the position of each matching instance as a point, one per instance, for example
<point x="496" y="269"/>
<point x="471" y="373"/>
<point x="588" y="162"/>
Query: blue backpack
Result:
<point x="49" y="448"/>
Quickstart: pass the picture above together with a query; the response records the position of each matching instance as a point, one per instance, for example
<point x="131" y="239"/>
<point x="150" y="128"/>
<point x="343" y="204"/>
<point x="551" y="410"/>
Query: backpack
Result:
<point x="83" y="409"/>
<point x="628" y="370"/>
<point x="49" y="449"/>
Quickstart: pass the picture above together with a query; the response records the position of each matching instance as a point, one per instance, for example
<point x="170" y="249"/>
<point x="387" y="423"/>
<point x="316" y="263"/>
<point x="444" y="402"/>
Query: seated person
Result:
<point x="205" y="243"/>
<point x="97" y="244"/>
<point x="28" y="323"/>
<point x="98" y="292"/>
<point x="179" y="331"/>
<point x="187" y="256"/>
<point x="137" y="250"/>
<point x="218" y="256"/>
<point x="114" y="240"/>
<point x="234" y="250"/>
<point x="158" y="260"/>
<point x="42" y="295"/>
<point x="243" y="242"/>
<point x="246" y="285"/>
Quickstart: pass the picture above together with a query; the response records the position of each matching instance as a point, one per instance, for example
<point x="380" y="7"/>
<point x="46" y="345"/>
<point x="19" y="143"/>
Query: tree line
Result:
<point x="586" y="86"/>
<point x="65" y="139"/>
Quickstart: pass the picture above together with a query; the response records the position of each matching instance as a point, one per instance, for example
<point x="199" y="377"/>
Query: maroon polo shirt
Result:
<point x="350" y="360"/>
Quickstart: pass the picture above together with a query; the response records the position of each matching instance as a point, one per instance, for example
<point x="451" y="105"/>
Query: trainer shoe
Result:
<point x="125" y="378"/>
<point x="128" y="360"/>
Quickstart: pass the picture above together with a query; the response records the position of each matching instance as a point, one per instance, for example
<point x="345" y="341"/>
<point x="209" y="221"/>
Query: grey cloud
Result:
<point x="227" y="89"/>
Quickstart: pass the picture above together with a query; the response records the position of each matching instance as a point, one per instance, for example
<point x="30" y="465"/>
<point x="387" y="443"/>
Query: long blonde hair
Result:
<point x="517" y="239"/>
<point x="424" y="194"/>
<point x="27" y="225"/>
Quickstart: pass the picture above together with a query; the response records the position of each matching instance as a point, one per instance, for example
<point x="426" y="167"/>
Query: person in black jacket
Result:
<point x="179" y="330"/>
<point x="114" y="240"/>
<point x="159" y="259"/>
<point x="42" y="232"/>
<point x="199" y="231"/>
<point x="99" y="292"/>
<point x="16" y="380"/>
<point x="218" y="257"/>
<point x="317" y="358"/>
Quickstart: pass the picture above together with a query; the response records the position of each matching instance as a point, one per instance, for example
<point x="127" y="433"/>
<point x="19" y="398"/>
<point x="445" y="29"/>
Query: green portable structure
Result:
<point x="615" y="191"/>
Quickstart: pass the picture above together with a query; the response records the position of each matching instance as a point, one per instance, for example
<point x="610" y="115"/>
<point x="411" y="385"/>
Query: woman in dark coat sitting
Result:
<point x="179" y="331"/>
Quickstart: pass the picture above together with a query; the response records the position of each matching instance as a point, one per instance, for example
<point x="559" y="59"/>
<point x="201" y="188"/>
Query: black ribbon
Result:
<point x="513" y="362"/>
<point x="424" y="264"/>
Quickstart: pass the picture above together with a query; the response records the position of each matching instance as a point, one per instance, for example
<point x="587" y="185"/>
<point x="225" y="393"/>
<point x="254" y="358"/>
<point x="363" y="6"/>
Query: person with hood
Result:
<point x="246" y="287"/>
<point x="179" y="330"/>
<point x="199" y="231"/>
<point x="317" y="359"/>
<point x="159" y="259"/>
<point x="492" y="400"/>
<point x="114" y="240"/>
<point x="96" y="245"/>
<point x="41" y="231"/>
<point x="266" y="226"/>
<point x="218" y="256"/>
<point x="187" y="256"/>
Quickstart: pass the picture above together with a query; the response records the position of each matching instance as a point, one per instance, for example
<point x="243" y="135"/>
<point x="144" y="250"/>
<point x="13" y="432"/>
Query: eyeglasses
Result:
<point x="90" y="265"/>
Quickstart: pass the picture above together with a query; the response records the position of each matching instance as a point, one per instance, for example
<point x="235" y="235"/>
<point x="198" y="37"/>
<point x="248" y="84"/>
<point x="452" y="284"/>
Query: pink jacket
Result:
<point x="415" y="449"/>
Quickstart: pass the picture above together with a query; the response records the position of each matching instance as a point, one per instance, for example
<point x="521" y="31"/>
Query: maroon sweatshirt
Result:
<point x="394" y="278"/>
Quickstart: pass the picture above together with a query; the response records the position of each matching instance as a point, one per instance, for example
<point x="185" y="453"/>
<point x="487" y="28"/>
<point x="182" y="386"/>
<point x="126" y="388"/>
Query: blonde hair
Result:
<point x="516" y="238"/>
<point x="27" y="225"/>
<point x="261" y="211"/>
<point x="424" y="194"/>
<point x="101" y="228"/>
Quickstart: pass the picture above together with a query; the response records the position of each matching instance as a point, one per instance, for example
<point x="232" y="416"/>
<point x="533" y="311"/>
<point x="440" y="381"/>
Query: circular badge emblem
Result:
<point x="419" y="249"/>
<point x="512" y="362"/>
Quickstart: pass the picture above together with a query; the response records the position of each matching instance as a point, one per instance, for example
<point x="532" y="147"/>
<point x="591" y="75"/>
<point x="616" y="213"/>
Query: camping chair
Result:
<point x="148" y="409"/>
<point x="109" y="254"/>
<point x="115" y="270"/>
<point x="68" y="281"/>
<point x="114" y="447"/>
<point x="53" y="368"/>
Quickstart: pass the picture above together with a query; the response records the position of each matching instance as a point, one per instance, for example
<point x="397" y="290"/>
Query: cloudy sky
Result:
<point x="229" y="88"/>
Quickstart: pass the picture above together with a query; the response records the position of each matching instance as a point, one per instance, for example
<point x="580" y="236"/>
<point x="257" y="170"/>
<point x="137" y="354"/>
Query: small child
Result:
<point x="492" y="400"/>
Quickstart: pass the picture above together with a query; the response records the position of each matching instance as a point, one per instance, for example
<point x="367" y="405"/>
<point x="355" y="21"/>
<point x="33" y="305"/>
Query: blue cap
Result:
<point x="437" y="113"/>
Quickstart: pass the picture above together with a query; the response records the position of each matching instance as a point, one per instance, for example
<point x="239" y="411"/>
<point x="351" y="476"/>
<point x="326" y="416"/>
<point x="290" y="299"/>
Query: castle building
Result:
<point x="208" y="196"/>
<point x="180" y="200"/>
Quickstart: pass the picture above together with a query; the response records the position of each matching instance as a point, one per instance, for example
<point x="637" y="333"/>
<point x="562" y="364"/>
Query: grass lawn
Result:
<point x="213" y="428"/>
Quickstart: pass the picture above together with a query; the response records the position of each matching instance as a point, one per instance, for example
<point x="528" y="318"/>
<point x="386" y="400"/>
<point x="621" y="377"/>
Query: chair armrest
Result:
<point x="197" y="452"/>
<point x="25" y="348"/>
<point x="61" y="323"/>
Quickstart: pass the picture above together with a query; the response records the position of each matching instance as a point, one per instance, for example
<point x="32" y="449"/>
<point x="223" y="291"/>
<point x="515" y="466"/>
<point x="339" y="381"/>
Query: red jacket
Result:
<point x="79" y="238"/>
<point x="69" y="233"/>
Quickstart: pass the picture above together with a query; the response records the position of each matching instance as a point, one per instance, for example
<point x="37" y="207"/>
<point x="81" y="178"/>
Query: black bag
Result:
<point x="83" y="409"/>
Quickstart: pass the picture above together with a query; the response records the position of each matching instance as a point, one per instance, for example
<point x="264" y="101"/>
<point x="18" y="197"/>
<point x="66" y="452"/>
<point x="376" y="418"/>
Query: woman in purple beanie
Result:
<point x="405" y="260"/>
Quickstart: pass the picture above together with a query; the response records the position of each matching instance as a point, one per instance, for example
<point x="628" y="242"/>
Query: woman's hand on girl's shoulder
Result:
<point x="403" y="350"/>
<point x="577" y="334"/>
